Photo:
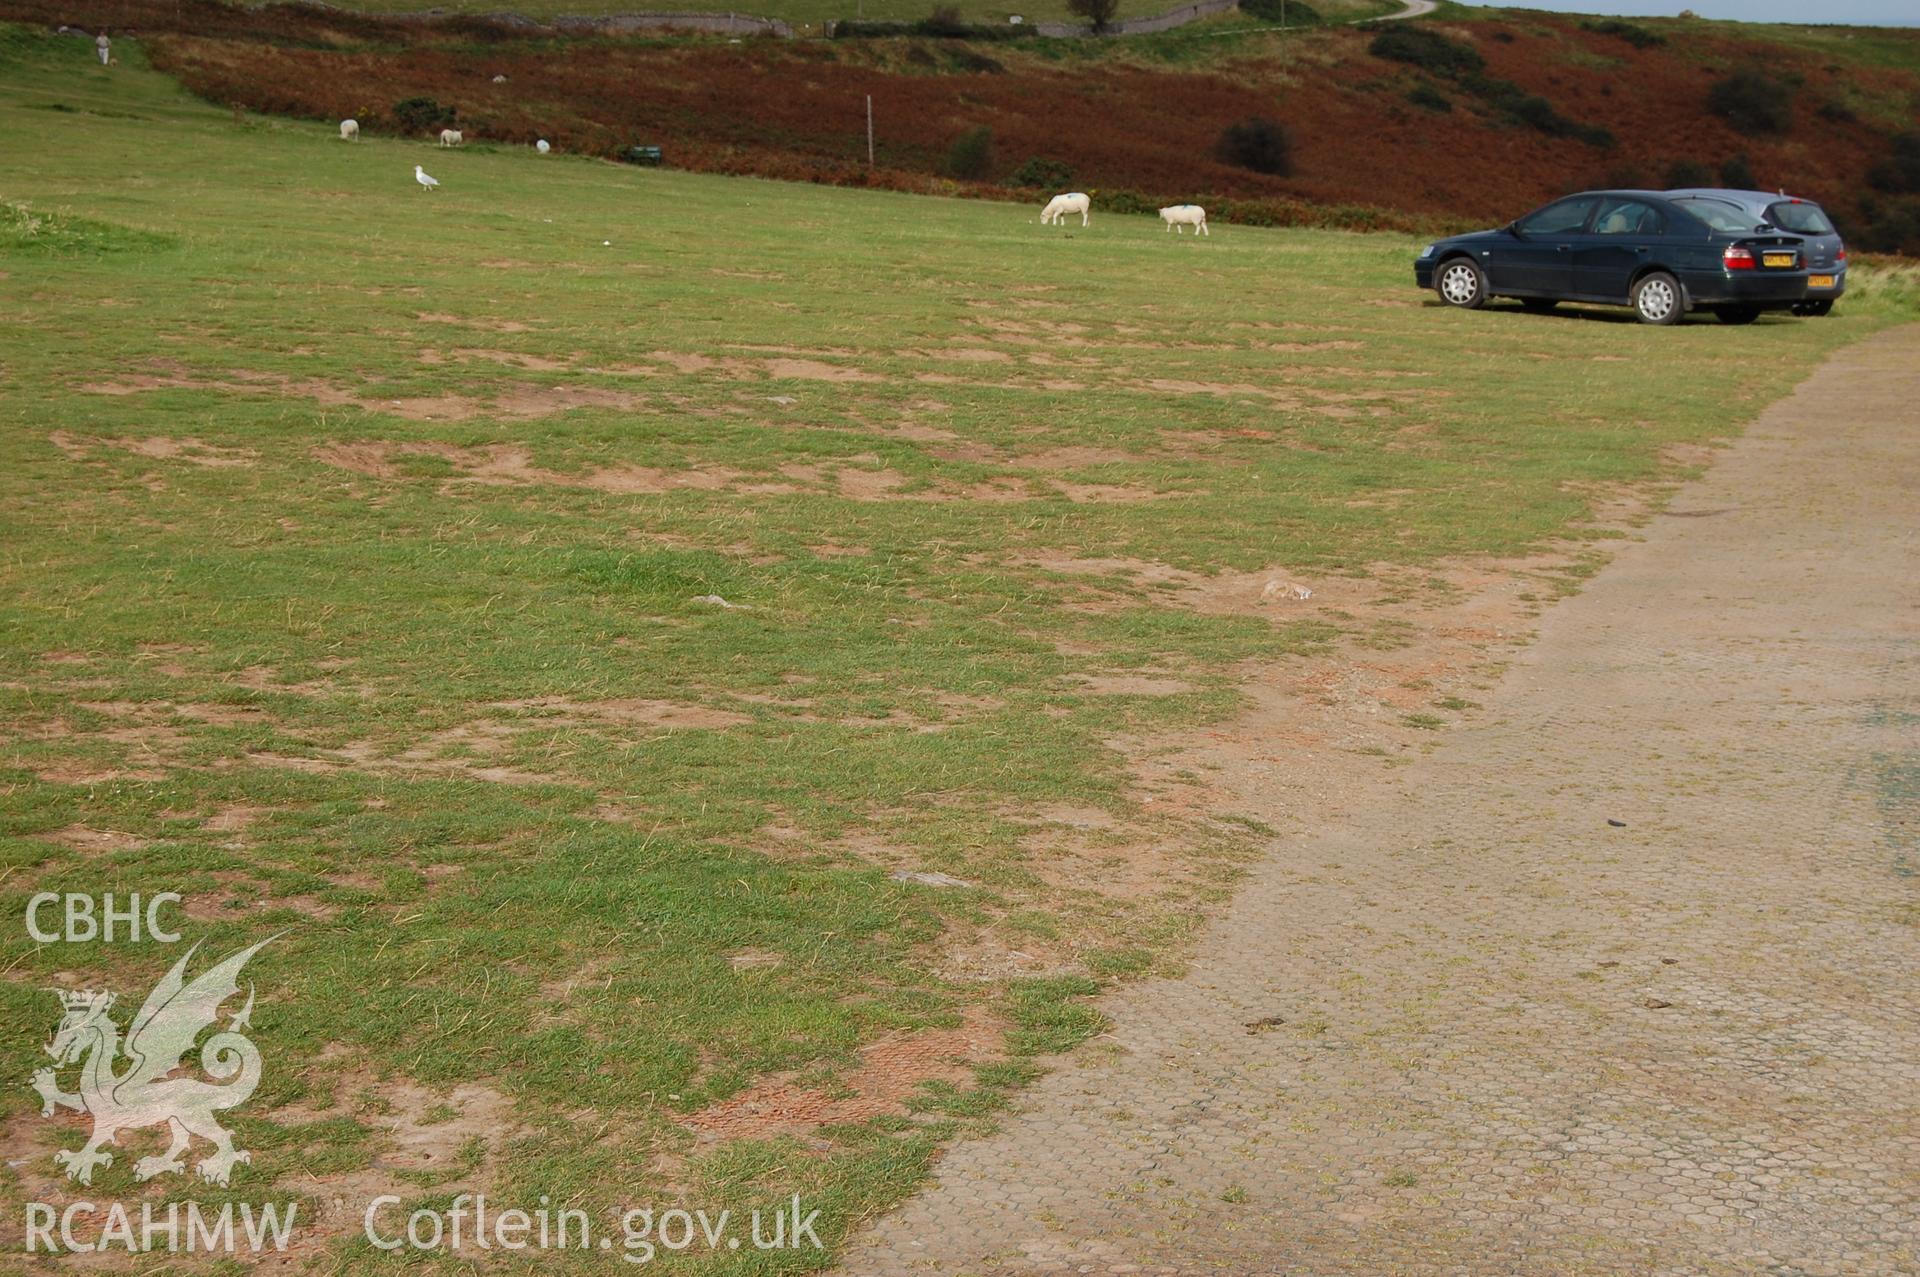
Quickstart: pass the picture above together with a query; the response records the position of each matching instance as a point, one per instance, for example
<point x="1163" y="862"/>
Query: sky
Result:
<point x="1877" y="13"/>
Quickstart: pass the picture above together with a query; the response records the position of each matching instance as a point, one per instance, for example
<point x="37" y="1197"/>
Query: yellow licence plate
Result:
<point x="1819" y="281"/>
<point x="1776" y="259"/>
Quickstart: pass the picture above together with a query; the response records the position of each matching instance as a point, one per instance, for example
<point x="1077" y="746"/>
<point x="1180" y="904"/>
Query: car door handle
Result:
<point x="1565" y="248"/>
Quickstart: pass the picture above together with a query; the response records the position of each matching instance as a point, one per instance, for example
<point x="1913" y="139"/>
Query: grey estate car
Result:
<point x="1826" y="253"/>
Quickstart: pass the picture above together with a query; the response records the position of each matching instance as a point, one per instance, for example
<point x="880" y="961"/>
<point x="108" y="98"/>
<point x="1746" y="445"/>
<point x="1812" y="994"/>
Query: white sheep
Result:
<point x="450" y="137"/>
<point x="1178" y="215"/>
<point x="349" y="130"/>
<point x="1060" y="205"/>
<point x="541" y="146"/>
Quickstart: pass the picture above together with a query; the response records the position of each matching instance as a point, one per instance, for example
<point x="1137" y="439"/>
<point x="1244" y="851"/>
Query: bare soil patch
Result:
<point x="510" y="464"/>
<point x="1133" y="685"/>
<point x="633" y="711"/>
<point x="485" y="325"/>
<point x="517" y="401"/>
<point x="192" y="450"/>
<point x="416" y="1131"/>
<point x="509" y="358"/>
<point x="889" y="1072"/>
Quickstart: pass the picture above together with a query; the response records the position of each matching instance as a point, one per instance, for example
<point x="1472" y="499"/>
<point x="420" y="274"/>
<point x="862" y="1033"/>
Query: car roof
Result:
<point x="1746" y="199"/>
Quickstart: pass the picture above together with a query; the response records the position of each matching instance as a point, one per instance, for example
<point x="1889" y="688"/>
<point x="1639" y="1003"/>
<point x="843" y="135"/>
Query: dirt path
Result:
<point x="1413" y="9"/>
<point x="1458" y="1022"/>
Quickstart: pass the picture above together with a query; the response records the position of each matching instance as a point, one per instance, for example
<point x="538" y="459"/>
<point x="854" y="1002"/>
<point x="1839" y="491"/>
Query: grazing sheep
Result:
<point x="541" y="146"/>
<point x="1060" y="205"/>
<point x="499" y="79"/>
<point x="349" y="130"/>
<point x="1179" y="215"/>
<point x="450" y="137"/>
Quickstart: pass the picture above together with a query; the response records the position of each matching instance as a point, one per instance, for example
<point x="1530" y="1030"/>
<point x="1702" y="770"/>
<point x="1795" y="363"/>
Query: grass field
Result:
<point x="360" y="545"/>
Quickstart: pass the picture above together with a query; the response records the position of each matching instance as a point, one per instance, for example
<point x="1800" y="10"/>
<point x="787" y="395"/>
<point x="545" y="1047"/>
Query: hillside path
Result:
<point x="1460" y="1023"/>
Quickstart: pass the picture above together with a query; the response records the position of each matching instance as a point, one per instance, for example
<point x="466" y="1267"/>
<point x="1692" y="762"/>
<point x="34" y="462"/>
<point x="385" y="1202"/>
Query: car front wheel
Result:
<point x="1656" y="299"/>
<point x="1461" y="283"/>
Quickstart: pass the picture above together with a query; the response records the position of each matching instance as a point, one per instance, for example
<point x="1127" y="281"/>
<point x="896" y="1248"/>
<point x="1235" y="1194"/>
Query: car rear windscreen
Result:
<point x="1802" y="219"/>
<point x="1721" y="216"/>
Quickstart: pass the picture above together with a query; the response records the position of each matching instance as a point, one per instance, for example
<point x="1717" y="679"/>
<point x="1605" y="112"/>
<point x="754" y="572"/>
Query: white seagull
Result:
<point x="421" y="176"/>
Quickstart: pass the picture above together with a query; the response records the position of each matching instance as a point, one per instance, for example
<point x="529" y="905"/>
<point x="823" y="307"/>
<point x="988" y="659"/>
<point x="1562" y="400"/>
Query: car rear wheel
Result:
<point x="1656" y="299"/>
<point x="1539" y="305"/>
<point x="1815" y="309"/>
<point x="1738" y="314"/>
<point x="1461" y="283"/>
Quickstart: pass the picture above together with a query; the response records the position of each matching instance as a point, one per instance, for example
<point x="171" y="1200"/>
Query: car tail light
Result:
<point x="1738" y="258"/>
<point x="1841" y="256"/>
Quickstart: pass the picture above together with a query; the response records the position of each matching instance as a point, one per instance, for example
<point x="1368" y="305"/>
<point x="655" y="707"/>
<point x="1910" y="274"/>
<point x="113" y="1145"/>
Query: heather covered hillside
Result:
<point x="1474" y="117"/>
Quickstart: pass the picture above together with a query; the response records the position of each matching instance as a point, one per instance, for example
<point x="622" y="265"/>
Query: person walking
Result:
<point x="105" y="48"/>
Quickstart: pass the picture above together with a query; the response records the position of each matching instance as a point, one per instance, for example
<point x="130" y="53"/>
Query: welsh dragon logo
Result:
<point x="143" y="1093"/>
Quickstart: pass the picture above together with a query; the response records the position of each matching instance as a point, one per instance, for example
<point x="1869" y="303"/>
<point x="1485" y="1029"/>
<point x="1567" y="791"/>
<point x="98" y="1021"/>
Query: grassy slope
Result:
<point x="186" y="617"/>
<point x="1376" y="143"/>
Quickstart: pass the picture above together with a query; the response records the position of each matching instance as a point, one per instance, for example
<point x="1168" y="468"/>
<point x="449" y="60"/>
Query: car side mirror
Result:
<point x="1513" y="229"/>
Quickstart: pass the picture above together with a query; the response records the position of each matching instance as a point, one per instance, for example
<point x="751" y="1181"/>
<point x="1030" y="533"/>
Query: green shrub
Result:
<point x="971" y="156"/>
<point x="943" y="23"/>
<point x="1427" y="49"/>
<point x="1534" y="111"/>
<point x="1684" y="173"/>
<point x="1099" y="13"/>
<point x="1753" y="101"/>
<point x="941" y="29"/>
<point x="1886" y="226"/>
<point x="1633" y="33"/>
<point x="1259" y="144"/>
<point x="1835" y="112"/>
<point x="1042" y="175"/>
<point x="1127" y="202"/>
<point x="1738" y="173"/>
<point x="423" y="115"/>
<point x="1425" y="95"/>
<point x="1292" y="12"/>
<point x="1899" y="173"/>
<point x="974" y="63"/>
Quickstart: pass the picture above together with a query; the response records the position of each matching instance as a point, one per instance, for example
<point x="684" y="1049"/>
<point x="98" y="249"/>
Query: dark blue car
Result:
<point x="1662" y="256"/>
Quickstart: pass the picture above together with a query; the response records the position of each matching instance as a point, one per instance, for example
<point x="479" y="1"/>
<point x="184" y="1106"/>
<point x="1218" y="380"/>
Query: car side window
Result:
<point x="1568" y="217"/>
<point x="1720" y="216"/>
<point x="1628" y="217"/>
